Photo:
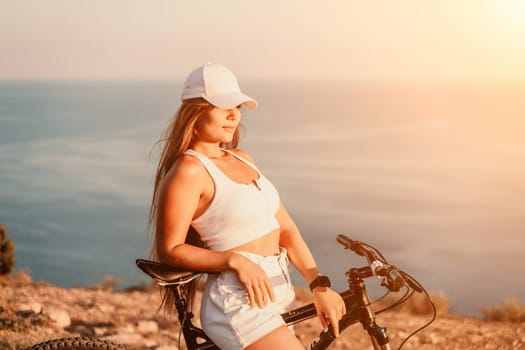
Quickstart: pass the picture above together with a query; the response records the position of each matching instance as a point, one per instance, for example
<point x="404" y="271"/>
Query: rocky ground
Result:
<point x="35" y="312"/>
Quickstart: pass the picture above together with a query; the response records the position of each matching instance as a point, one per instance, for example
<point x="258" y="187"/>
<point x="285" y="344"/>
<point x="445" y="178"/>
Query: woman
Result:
<point x="204" y="183"/>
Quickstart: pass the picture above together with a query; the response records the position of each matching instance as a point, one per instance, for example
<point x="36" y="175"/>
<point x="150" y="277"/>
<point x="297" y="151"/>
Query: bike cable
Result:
<point x="376" y="251"/>
<point x="431" y="303"/>
<point x="416" y="287"/>
<point x="380" y="298"/>
<point x="408" y="293"/>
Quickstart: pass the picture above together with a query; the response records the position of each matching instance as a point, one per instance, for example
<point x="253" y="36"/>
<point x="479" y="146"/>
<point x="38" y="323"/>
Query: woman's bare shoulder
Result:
<point x="189" y="164"/>
<point x="187" y="169"/>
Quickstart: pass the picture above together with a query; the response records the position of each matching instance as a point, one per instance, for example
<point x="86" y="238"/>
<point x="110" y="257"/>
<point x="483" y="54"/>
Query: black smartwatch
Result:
<point x="320" y="281"/>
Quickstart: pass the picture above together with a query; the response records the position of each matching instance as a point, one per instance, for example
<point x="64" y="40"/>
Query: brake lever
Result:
<point x="394" y="281"/>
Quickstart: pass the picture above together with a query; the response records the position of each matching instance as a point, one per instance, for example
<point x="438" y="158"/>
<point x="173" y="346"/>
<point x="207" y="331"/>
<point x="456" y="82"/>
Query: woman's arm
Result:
<point x="298" y="252"/>
<point x="329" y="305"/>
<point x="179" y="200"/>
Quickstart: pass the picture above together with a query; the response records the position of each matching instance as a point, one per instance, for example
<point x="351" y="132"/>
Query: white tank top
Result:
<point x="238" y="213"/>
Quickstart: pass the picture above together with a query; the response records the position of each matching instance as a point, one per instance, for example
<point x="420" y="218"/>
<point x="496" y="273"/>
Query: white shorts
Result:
<point x="226" y="315"/>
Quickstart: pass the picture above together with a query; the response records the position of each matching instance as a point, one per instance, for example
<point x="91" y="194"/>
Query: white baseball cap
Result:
<point x="217" y="85"/>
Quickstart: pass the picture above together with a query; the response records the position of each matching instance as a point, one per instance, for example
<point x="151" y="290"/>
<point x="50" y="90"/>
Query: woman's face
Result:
<point x="218" y="125"/>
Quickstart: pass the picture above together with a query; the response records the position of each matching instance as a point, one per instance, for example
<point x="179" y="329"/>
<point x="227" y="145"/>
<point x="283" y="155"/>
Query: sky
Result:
<point x="264" y="39"/>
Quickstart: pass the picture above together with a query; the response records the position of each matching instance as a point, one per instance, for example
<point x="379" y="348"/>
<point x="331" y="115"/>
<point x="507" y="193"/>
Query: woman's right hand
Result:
<point x="253" y="278"/>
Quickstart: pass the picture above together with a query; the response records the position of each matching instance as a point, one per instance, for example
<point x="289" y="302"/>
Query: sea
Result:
<point x="431" y="173"/>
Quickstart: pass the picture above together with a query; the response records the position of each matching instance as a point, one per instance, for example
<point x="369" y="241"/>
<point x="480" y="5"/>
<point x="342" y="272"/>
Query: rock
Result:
<point x="106" y="308"/>
<point x="33" y="307"/>
<point x="61" y="317"/>
<point x="124" y="338"/>
<point x="127" y="328"/>
<point x="149" y="343"/>
<point x="100" y="331"/>
<point x="147" y="327"/>
<point x="39" y="320"/>
<point x="82" y="330"/>
<point x="435" y="338"/>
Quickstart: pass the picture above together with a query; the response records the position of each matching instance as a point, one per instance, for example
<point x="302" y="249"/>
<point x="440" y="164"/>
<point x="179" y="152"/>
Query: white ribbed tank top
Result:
<point x="238" y="213"/>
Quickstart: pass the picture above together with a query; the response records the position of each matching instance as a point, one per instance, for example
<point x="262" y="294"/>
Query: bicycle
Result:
<point x="357" y="300"/>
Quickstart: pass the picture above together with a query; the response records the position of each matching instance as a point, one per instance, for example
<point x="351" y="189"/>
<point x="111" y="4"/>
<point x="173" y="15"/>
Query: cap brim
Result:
<point x="231" y="100"/>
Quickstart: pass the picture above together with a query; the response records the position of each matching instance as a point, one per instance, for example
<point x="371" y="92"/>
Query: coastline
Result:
<point x="33" y="312"/>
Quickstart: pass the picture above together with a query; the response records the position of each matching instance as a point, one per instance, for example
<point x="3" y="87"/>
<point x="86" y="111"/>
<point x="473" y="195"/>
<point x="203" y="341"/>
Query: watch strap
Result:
<point x="320" y="281"/>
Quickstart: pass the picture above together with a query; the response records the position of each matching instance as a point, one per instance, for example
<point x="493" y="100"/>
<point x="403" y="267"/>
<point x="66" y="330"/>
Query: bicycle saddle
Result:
<point x="166" y="274"/>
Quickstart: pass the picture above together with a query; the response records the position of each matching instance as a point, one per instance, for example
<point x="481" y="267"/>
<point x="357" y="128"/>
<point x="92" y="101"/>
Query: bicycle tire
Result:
<point x="78" y="343"/>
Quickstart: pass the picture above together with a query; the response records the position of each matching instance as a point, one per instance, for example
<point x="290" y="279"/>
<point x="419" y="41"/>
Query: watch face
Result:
<point x="320" y="281"/>
<point x="324" y="281"/>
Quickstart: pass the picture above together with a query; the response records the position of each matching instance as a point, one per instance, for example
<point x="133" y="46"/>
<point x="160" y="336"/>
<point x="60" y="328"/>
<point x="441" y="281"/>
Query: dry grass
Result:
<point x="510" y="310"/>
<point x="109" y="282"/>
<point x="20" y="278"/>
<point x="418" y="304"/>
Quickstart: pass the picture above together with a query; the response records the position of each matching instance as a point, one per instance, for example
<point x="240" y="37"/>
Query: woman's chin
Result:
<point x="227" y="139"/>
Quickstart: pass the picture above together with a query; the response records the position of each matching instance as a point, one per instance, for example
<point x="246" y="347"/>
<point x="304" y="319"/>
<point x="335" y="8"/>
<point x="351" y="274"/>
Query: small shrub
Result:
<point x="109" y="282"/>
<point x="418" y="304"/>
<point x="510" y="310"/>
<point x="7" y="252"/>
<point x="142" y="286"/>
<point x="21" y="277"/>
<point x="17" y="324"/>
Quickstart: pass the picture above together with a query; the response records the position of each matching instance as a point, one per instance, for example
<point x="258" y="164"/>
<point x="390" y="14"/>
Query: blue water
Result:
<point x="432" y="175"/>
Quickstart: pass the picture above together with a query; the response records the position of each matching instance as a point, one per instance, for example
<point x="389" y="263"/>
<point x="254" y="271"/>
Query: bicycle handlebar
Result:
<point x="394" y="279"/>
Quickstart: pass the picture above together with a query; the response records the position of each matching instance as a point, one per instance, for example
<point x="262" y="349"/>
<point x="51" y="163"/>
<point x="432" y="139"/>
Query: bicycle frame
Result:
<point x="192" y="334"/>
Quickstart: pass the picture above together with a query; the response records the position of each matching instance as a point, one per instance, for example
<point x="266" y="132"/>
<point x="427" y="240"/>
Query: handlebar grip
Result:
<point x="357" y="247"/>
<point x="354" y="246"/>
<point x="345" y="241"/>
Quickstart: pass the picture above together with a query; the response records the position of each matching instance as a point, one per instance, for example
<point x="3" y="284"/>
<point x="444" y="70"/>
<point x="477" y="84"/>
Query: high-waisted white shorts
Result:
<point x="226" y="315"/>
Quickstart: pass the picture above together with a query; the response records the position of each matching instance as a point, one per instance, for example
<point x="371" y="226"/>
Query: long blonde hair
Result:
<point x="177" y="139"/>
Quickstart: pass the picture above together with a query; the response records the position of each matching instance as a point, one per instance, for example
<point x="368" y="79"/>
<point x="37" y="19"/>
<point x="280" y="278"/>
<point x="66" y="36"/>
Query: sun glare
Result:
<point x="514" y="12"/>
